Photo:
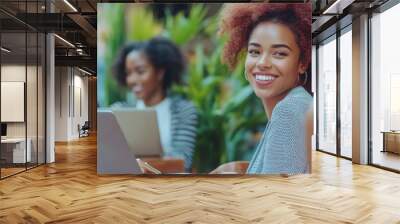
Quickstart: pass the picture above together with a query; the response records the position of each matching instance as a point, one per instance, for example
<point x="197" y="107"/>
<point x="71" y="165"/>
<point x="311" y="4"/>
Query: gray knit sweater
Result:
<point x="282" y="148"/>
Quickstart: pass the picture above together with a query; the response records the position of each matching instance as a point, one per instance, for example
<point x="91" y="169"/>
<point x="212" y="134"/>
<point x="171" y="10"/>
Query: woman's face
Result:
<point x="273" y="60"/>
<point x="142" y="78"/>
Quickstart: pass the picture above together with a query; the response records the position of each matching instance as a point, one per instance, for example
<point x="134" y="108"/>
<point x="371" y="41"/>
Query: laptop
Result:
<point x="140" y="128"/>
<point x="113" y="153"/>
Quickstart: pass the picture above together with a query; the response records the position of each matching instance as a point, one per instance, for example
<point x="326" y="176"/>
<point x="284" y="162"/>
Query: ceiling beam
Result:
<point x="82" y="61"/>
<point x="84" y="24"/>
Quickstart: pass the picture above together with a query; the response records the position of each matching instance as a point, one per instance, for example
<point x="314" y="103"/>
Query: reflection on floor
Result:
<point x="70" y="191"/>
<point x="10" y="169"/>
<point x="387" y="159"/>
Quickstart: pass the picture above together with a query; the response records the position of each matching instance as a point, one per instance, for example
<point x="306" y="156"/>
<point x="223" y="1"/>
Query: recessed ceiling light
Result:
<point x="84" y="71"/>
<point x="337" y="7"/>
<point x="5" y="49"/>
<point x="70" y="5"/>
<point x="64" y="40"/>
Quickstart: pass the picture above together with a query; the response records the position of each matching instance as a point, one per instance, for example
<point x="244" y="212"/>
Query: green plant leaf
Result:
<point x="183" y="29"/>
<point x="143" y="25"/>
<point x="237" y="100"/>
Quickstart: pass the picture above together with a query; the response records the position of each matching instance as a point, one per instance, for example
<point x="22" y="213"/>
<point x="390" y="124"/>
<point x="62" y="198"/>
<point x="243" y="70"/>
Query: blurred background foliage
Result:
<point x="231" y="117"/>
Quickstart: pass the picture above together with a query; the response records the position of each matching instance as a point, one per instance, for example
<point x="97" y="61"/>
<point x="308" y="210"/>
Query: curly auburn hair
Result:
<point x="239" y="20"/>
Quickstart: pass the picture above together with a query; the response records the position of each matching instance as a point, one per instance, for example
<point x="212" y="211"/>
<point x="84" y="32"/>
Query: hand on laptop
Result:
<point x="147" y="168"/>
<point x="236" y="167"/>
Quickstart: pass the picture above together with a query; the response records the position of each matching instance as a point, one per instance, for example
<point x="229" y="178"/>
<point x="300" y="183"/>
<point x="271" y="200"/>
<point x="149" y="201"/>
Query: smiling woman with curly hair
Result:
<point x="276" y="42"/>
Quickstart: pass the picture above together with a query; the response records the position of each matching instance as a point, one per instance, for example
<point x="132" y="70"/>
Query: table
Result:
<point x="166" y="165"/>
<point x="13" y="150"/>
<point x="391" y="141"/>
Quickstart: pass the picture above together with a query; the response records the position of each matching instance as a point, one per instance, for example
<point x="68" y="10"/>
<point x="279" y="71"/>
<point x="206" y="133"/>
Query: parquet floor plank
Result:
<point x="70" y="191"/>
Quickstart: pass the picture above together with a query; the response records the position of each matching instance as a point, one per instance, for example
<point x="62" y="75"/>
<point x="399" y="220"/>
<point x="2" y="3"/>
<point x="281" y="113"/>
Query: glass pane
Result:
<point x="13" y="87"/>
<point x="327" y="96"/>
<point x="385" y="86"/>
<point x="31" y="97"/>
<point x="346" y="94"/>
<point x="22" y="64"/>
<point x="41" y="99"/>
<point x="32" y="85"/>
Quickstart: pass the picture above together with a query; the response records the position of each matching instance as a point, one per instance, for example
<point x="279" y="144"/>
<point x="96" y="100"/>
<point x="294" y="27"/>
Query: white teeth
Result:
<point x="137" y="88"/>
<point x="265" y="77"/>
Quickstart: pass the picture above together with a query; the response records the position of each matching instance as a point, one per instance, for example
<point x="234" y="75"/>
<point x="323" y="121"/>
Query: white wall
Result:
<point x="12" y="73"/>
<point x="71" y="94"/>
<point x="33" y="127"/>
<point x="61" y="103"/>
<point x="81" y="95"/>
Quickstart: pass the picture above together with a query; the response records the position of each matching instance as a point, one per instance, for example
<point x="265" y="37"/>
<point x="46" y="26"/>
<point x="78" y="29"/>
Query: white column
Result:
<point x="50" y="94"/>
<point x="360" y="90"/>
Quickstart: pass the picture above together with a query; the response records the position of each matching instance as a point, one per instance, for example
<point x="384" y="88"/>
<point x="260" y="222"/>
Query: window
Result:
<point x="22" y="65"/>
<point x="346" y="92"/>
<point x="327" y="96"/>
<point x="385" y="88"/>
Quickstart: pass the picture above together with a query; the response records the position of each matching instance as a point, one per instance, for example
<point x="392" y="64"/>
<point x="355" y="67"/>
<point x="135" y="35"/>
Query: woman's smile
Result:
<point x="137" y="89"/>
<point x="264" y="80"/>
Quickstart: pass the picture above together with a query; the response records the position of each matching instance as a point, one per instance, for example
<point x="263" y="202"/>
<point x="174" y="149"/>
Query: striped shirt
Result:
<point x="282" y="148"/>
<point x="184" y="119"/>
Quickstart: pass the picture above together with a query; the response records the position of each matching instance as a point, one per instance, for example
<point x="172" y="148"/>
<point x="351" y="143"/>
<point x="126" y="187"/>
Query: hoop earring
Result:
<point x="245" y="76"/>
<point x="305" y="79"/>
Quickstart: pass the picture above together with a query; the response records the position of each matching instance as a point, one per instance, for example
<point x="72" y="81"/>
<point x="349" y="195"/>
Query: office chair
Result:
<point x="84" y="130"/>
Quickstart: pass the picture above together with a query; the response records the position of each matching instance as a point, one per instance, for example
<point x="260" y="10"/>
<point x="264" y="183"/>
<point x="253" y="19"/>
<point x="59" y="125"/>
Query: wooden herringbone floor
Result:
<point x="69" y="191"/>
